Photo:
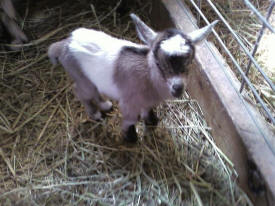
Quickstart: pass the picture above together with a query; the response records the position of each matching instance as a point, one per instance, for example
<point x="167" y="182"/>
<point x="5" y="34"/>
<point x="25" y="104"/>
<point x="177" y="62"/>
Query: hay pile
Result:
<point x="51" y="154"/>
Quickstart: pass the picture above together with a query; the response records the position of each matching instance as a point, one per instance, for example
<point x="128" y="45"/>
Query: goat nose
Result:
<point x="178" y="87"/>
<point x="177" y="90"/>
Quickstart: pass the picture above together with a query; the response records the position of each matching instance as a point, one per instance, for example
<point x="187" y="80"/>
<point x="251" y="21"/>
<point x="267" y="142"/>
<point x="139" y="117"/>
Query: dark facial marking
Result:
<point x="179" y="63"/>
<point x="176" y="63"/>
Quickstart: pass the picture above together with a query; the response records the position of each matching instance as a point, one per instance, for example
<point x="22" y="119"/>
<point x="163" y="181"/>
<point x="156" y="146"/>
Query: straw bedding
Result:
<point x="52" y="154"/>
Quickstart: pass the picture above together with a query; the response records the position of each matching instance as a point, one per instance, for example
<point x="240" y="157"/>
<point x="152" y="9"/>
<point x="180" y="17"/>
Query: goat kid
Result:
<point x="137" y="76"/>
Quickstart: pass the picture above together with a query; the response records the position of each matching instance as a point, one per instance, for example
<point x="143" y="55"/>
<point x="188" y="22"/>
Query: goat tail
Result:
<point x="54" y="52"/>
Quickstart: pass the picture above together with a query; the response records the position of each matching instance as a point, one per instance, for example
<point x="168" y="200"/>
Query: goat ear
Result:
<point x="200" y="34"/>
<point x="145" y="33"/>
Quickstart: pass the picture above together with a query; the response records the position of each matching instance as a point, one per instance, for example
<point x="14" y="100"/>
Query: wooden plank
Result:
<point x="238" y="128"/>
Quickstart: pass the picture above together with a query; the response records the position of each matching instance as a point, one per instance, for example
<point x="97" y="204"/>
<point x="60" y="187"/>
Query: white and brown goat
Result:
<point x="137" y="76"/>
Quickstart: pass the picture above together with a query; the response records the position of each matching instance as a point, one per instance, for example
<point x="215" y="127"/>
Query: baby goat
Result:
<point x="137" y="76"/>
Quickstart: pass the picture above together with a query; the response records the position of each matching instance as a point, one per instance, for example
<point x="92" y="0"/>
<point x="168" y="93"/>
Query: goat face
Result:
<point x="173" y="51"/>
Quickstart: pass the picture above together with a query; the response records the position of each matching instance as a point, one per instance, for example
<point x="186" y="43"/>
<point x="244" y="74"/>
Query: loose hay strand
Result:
<point x="196" y="194"/>
<point x="7" y="162"/>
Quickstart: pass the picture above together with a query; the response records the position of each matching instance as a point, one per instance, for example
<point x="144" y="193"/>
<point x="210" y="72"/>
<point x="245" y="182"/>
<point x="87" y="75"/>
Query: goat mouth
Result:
<point x="176" y="94"/>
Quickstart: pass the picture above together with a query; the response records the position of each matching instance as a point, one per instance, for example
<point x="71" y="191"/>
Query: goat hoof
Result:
<point x="131" y="135"/>
<point x="152" y="119"/>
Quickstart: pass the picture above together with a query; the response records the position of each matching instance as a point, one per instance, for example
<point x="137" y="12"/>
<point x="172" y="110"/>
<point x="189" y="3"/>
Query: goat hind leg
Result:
<point x="85" y="96"/>
<point x="103" y="105"/>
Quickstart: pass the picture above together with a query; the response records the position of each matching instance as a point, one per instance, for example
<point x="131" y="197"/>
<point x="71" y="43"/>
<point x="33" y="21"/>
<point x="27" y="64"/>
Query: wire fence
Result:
<point x="244" y="70"/>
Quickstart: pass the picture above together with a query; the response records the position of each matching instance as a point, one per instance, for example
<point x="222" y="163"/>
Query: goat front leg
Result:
<point x="130" y="117"/>
<point x="149" y="117"/>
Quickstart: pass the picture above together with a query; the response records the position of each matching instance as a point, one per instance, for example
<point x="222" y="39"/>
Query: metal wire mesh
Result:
<point x="250" y="55"/>
<point x="243" y="71"/>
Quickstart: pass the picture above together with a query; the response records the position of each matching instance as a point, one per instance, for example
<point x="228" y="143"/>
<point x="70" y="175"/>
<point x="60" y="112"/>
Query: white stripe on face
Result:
<point x="175" y="45"/>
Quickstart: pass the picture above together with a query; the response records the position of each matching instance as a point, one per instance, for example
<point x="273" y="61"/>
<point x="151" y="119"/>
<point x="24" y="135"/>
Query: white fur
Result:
<point x="175" y="45"/>
<point x="97" y="52"/>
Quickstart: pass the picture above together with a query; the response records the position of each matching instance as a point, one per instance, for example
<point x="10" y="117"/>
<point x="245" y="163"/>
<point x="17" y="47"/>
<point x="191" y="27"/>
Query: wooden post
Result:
<point x="237" y="127"/>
